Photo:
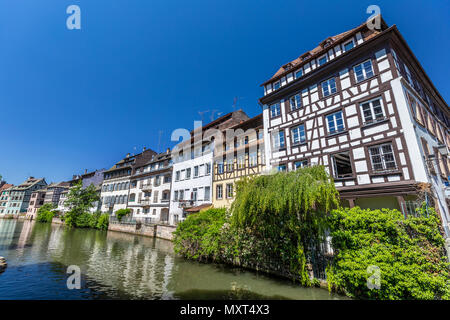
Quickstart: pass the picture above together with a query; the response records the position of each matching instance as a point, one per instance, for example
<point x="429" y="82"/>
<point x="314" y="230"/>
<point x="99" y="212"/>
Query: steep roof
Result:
<point x="6" y="186"/>
<point x="322" y="48"/>
<point x="30" y="182"/>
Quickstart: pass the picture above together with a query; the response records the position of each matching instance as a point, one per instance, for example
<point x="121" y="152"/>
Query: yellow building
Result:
<point x="242" y="155"/>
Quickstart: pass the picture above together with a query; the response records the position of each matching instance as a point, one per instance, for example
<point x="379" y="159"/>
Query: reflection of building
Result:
<point x="361" y="104"/>
<point x="4" y="196"/>
<point x="19" y="197"/>
<point x="150" y="187"/>
<point x="116" y="182"/>
<point x="193" y="159"/>
<point x="243" y="156"/>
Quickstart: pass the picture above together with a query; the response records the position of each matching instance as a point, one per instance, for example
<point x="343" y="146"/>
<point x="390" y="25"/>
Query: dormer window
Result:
<point x="348" y="45"/>
<point x="298" y="73"/>
<point x="276" y="85"/>
<point x="322" y="60"/>
<point x="305" y="56"/>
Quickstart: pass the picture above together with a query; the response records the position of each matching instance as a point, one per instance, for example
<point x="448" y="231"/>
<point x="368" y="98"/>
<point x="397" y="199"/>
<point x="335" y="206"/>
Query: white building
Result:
<point x="150" y="188"/>
<point x="116" y="182"/>
<point x="192" y="169"/>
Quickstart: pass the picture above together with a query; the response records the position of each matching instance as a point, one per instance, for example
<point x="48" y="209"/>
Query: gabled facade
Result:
<point x="4" y="196"/>
<point x="150" y="188"/>
<point x="19" y="197"/>
<point x="36" y="201"/>
<point x="243" y="156"/>
<point x="192" y="168"/>
<point x="361" y="105"/>
<point x="116" y="182"/>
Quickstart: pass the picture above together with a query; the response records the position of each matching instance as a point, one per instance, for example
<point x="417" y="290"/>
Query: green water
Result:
<point x="121" y="266"/>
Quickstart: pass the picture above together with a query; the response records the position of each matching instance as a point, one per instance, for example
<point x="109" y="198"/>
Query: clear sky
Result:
<point x="138" y="69"/>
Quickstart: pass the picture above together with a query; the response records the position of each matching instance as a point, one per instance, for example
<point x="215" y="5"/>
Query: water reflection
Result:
<point x="121" y="266"/>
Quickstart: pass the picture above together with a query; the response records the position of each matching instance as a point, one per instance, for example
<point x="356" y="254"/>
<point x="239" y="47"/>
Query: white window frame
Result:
<point x="374" y="120"/>
<point x="300" y="141"/>
<point x="276" y="141"/>
<point x="273" y="85"/>
<point x="295" y="106"/>
<point x="365" y="76"/>
<point x="335" y="122"/>
<point x="298" y="71"/>
<point x="279" y="110"/>
<point x="382" y="156"/>
<point x="329" y="87"/>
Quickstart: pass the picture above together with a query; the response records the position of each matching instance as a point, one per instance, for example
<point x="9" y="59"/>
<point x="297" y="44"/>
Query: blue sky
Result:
<point x="81" y="99"/>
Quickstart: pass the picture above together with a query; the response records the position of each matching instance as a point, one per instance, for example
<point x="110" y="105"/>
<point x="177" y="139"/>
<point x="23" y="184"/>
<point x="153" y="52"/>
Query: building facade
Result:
<point x="243" y="156"/>
<point x="19" y="197"/>
<point x="36" y="201"/>
<point x="361" y="105"/>
<point x="150" y="188"/>
<point x="192" y="168"/>
<point x="4" y="196"/>
<point x="116" y="182"/>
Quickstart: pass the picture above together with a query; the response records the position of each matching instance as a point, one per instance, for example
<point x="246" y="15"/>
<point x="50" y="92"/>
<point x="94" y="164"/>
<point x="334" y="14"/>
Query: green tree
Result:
<point x="45" y="213"/>
<point x="122" y="212"/>
<point x="79" y="201"/>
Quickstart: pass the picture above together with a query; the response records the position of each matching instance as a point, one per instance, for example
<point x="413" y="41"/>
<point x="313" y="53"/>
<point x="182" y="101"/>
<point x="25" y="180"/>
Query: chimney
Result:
<point x="168" y="150"/>
<point x="144" y="149"/>
<point x="85" y="171"/>
<point x="128" y="155"/>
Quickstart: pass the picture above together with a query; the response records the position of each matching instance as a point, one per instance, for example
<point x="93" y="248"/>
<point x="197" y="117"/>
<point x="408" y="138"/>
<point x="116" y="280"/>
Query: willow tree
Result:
<point x="288" y="210"/>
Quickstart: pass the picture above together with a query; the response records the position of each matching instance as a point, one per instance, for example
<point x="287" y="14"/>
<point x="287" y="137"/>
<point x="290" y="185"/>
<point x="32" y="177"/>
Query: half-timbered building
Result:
<point x="362" y="105"/>
<point x="242" y="156"/>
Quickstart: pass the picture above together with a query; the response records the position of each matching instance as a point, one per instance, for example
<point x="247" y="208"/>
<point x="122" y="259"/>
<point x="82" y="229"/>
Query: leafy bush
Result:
<point x="408" y="252"/>
<point x="122" y="212"/>
<point x="45" y="213"/>
<point x="79" y="201"/>
<point x="103" y="222"/>
<point x="83" y="220"/>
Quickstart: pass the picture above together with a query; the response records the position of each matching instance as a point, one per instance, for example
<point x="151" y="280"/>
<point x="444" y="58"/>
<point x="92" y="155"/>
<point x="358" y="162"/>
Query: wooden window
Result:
<point x="329" y="87"/>
<point x="229" y="190"/>
<point x="382" y="157"/>
<point x="295" y="102"/>
<point x="278" y="140"/>
<point x="335" y="122"/>
<point x="275" y="110"/>
<point x="298" y="134"/>
<point x="363" y="71"/>
<point x="298" y="73"/>
<point x="348" y="45"/>
<point x="301" y="164"/>
<point x="219" y="191"/>
<point x="342" y="166"/>
<point x="372" y="111"/>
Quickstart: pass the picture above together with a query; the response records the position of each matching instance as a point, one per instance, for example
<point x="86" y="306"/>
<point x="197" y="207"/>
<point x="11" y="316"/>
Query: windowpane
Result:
<point x="276" y="85"/>
<point x="295" y="102"/>
<point x="329" y="87"/>
<point x="348" y="46"/>
<point x="275" y="110"/>
<point x="299" y="73"/>
<point x="363" y="70"/>
<point x="298" y="134"/>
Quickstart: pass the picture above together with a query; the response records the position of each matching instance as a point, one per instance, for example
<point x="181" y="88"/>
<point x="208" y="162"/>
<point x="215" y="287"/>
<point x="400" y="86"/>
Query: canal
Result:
<point x="122" y="266"/>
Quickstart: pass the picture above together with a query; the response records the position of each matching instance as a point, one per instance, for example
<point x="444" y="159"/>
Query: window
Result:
<point x="276" y="85"/>
<point x="295" y="102"/>
<point x="382" y="157"/>
<point x="208" y="168"/>
<point x="372" y="110"/>
<point x="132" y="197"/>
<point x="155" y="196"/>
<point x="220" y="168"/>
<point x="195" y="171"/>
<point x="335" y="122"/>
<point x="329" y="87"/>
<point x="298" y="134"/>
<point x="341" y="165"/>
<point x="349" y="45"/>
<point x="322" y="60"/>
<point x="207" y="192"/>
<point x="177" y="176"/>
<point x="275" y="110"/>
<point x="298" y="73"/>
<point x="188" y="173"/>
<point x="194" y="194"/>
<point x="363" y="71"/>
<point x="301" y="164"/>
<point x="175" y="197"/>
<point x="278" y="140"/>
<point x="181" y="195"/>
<point x="229" y="190"/>
<point x="230" y="165"/>
<point x="219" y="191"/>
<point x="281" y="168"/>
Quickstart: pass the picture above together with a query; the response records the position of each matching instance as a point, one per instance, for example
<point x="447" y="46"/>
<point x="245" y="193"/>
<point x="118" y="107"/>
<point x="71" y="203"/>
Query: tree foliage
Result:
<point x="122" y="213"/>
<point x="79" y="201"/>
<point x="409" y="254"/>
<point x="45" y="213"/>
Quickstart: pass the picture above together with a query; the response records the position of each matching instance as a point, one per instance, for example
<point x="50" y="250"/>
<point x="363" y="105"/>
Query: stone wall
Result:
<point x="158" y="231"/>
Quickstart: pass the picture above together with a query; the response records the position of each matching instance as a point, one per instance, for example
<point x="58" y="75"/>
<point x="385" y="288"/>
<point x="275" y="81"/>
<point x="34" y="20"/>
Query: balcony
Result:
<point x="144" y="202"/>
<point x="186" y="203"/>
<point x="146" y="187"/>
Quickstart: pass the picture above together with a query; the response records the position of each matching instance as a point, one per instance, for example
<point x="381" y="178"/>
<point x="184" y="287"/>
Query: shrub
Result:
<point x="121" y="213"/>
<point x="45" y="213"/>
<point x="83" y="220"/>
<point x="103" y="222"/>
<point x="408" y="252"/>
